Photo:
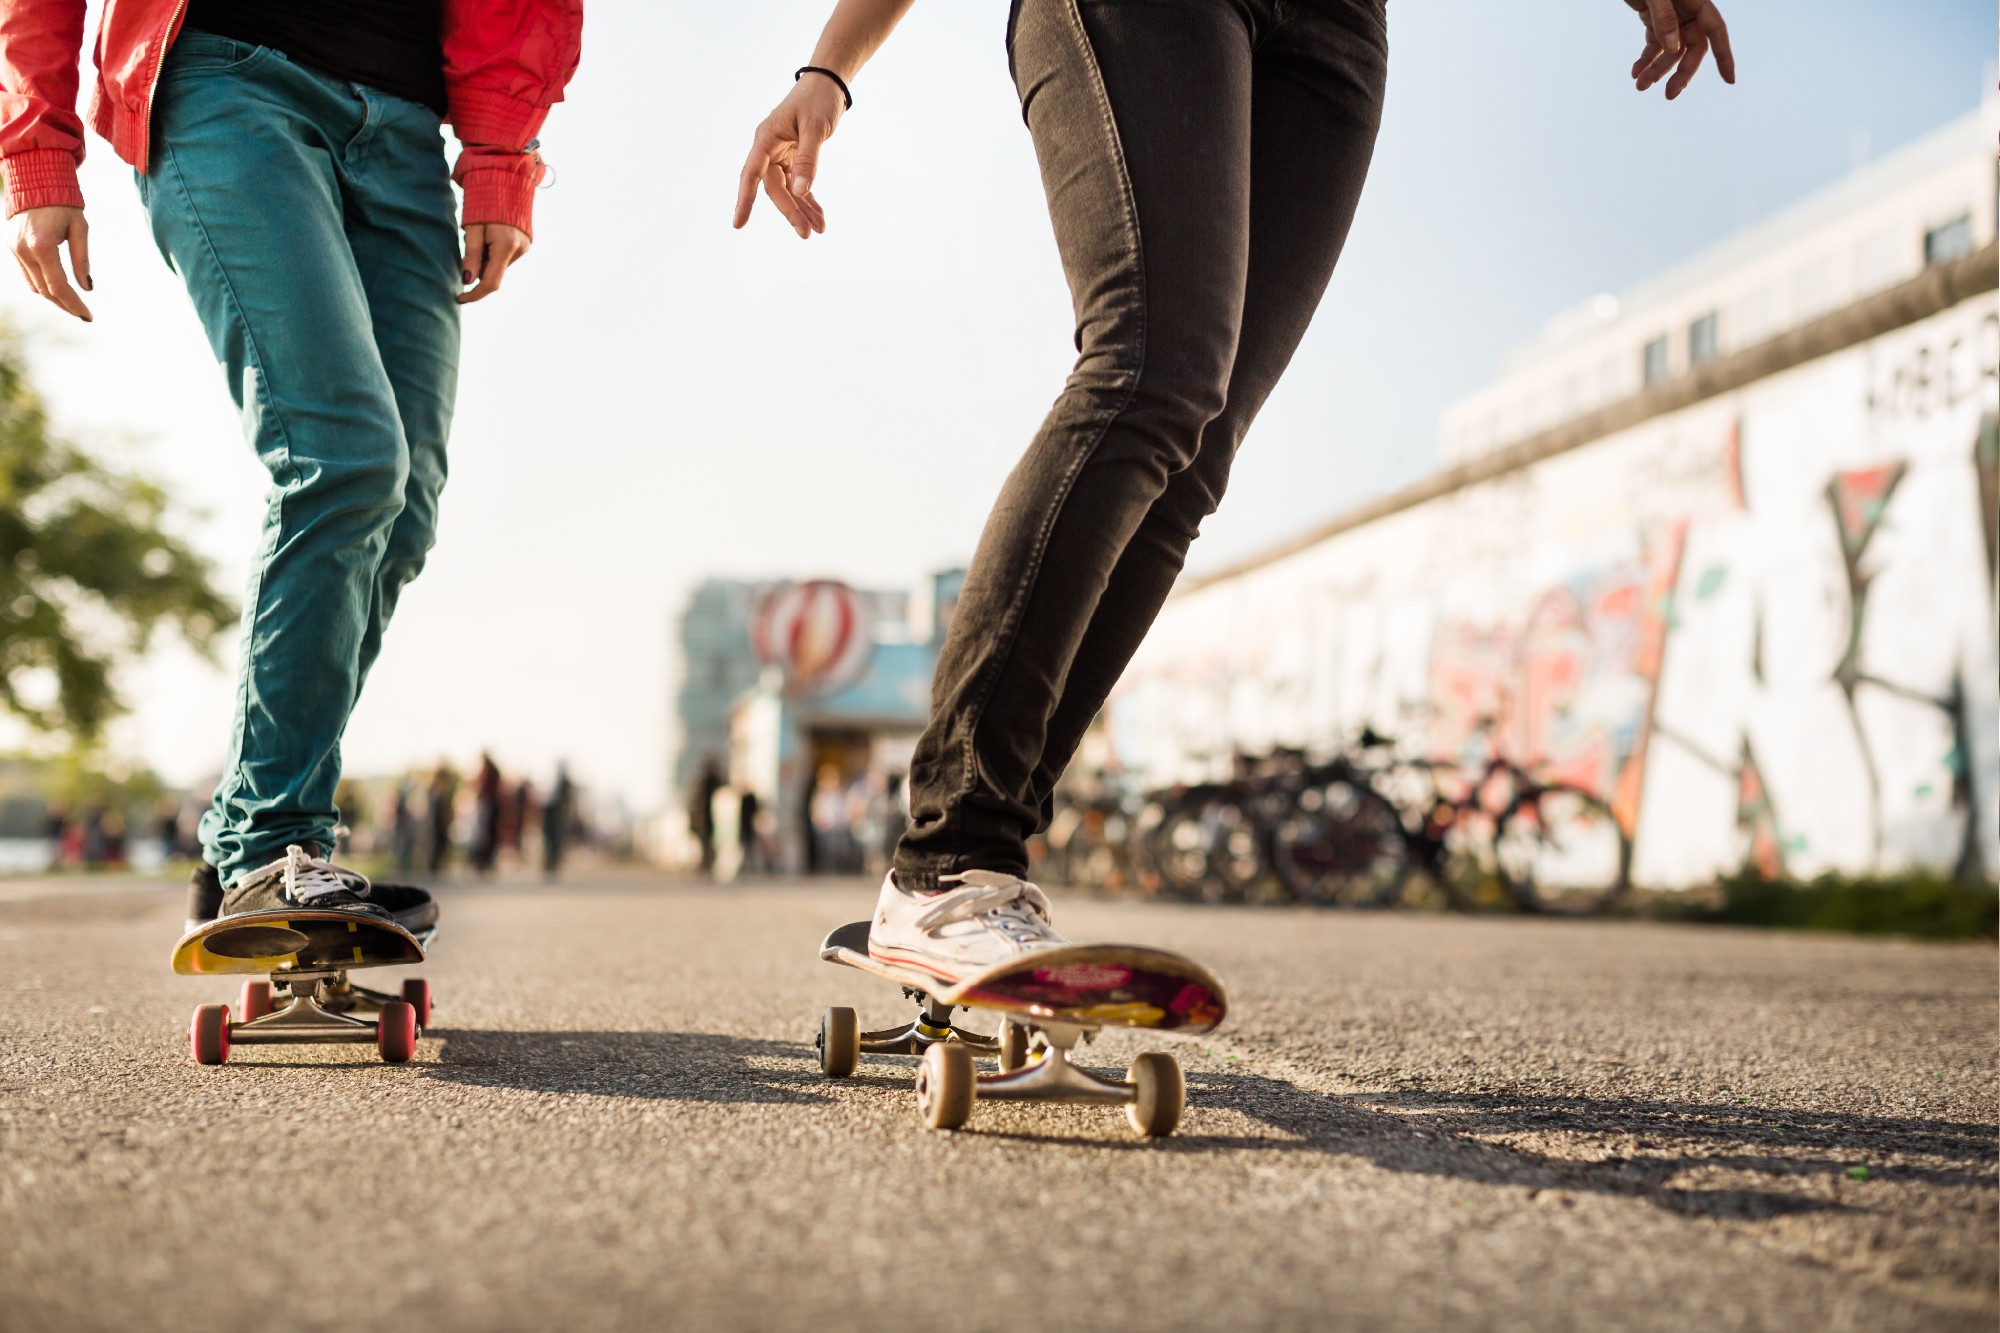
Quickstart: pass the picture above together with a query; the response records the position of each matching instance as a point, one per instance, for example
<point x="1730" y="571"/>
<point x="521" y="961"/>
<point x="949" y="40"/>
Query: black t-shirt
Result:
<point x="392" y="45"/>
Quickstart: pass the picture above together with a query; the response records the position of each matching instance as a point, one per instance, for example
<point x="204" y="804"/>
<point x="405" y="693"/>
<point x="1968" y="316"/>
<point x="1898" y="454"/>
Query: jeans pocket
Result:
<point x="199" y="53"/>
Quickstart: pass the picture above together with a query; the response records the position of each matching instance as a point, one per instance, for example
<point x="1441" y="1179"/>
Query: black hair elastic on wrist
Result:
<point x="838" y="82"/>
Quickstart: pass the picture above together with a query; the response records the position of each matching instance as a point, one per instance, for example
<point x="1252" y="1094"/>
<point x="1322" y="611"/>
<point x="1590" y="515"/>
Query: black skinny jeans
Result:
<point x="1202" y="159"/>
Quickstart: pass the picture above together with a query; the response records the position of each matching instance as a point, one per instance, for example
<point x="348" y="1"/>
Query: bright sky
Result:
<point x="655" y="398"/>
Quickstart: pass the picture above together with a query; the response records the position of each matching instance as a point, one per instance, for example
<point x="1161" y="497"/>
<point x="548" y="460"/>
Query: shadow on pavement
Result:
<point x="1622" y="1146"/>
<point x="1643" y="1148"/>
<point x="1795" y="1161"/>
<point x="658" y="1066"/>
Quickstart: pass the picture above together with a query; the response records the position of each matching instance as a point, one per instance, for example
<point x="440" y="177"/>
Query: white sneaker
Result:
<point x="986" y="919"/>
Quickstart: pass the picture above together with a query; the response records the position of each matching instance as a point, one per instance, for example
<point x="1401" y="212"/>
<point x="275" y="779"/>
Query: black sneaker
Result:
<point x="299" y="879"/>
<point x="408" y="905"/>
<point x="204" y="895"/>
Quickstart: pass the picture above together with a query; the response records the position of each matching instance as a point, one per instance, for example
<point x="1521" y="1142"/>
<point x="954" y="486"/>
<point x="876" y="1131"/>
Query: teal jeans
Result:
<point x="313" y="222"/>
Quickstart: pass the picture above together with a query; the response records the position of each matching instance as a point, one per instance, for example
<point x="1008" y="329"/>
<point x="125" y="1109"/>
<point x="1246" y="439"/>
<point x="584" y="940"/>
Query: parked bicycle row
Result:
<point x="1371" y="827"/>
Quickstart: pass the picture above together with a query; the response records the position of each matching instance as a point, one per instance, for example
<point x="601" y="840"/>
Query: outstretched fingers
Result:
<point x="787" y="204"/>
<point x="474" y="262"/>
<point x="1646" y="58"/>
<point x="1656" y="68"/>
<point x="1709" y="21"/>
<point x="1695" y="48"/>
<point x="30" y="276"/>
<point x="498" y="247"/>
<point x="49" y="279"/>
<point x="783" y="164"/>
<point x="762" y="148"/>
<point x="805" y="162"/>
<point x="1663" y="25"/>
<point x="79" y="251"/>
<point x="1677" y="46"/>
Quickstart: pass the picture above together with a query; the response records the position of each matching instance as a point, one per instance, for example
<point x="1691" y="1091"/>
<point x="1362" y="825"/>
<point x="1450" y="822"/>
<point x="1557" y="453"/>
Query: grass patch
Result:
<point x="1922" y="906"/>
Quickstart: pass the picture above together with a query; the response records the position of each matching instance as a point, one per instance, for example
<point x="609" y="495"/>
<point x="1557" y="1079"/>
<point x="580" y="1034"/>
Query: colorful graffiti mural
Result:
<point x="1761" y="627"/>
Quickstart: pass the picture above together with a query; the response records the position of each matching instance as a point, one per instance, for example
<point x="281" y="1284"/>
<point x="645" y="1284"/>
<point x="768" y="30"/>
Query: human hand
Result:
<point x="39" y="235"/>
<point x="491" y="248"/>
<point x="1679" y="34"/>
<point x="785" y="154"/>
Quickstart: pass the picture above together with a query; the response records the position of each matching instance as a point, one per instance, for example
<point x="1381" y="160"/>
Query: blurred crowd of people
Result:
<point x="429" y="821"/>
<point x="855" y="822"/>
<point x="851" y="822"/>
<point x="93" y="836"/>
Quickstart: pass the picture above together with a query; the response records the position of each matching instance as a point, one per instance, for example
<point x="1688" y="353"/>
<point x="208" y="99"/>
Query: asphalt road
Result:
<point x="616" y="1121"/>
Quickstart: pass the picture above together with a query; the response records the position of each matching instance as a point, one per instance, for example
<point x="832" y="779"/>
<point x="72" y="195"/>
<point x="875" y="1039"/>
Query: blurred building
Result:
<point x="1720" y="548"/>
<point x="790" y="684"/>
<point x="717" y="665"/>
<point x="1928" y="204"/>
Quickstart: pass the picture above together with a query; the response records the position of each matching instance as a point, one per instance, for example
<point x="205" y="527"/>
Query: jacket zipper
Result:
<point x="153" y="86"/>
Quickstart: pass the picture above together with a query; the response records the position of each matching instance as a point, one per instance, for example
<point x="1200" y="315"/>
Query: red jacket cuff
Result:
<point x="500" y="188"/>
<point x="481" y="117"/>
<point x="41" y="178"/>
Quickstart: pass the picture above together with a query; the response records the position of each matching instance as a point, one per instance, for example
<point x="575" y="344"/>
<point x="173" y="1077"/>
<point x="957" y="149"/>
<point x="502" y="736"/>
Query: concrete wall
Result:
<point x="1763" y="625"/>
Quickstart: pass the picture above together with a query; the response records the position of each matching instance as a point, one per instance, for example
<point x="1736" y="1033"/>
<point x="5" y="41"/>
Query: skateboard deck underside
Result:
<point x="296" y="940"/>
<point x="1091" y="985"/>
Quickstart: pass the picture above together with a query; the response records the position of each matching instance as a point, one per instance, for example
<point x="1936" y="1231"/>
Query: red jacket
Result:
<point x="505" y="64"/>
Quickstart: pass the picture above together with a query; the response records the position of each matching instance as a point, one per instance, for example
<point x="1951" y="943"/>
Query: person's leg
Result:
<point x="402" y="225"/>
<point x="245" y="203"/>
<point x="1140" y="113"/>
<point x="1316" y="102"/>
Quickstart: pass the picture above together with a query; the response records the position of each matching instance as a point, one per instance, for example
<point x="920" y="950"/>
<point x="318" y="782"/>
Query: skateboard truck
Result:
<point x="931" y="1025"/>
<point x="1152" y="1092"/>
<point x="1034" y="1060"/>
<point x="1049" y="1075"/>
<point x="1032" y="1048"/>
<point x="315" y="1004"/>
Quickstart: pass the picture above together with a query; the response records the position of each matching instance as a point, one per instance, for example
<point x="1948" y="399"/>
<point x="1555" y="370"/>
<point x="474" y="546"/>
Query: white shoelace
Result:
<point x="1017" y="909"/>
<point x="309" y="877"/>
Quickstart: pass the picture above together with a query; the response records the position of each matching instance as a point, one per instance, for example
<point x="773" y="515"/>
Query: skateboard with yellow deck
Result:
<point x="1049" y="1001"/>
<point x="305" y="956"/>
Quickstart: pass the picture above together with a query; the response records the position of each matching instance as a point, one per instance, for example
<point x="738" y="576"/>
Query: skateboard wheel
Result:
<point x="255" y="1002"/>
<point x="396" y="1031"/>
<point x="839" y="1042"/>
<point x="208" y="1034"/>
<point x="1013" y="1046"/>
<point x="1160" y="1091"/>
<point x="946" y="1085"/>
<point x="417" y="994"/>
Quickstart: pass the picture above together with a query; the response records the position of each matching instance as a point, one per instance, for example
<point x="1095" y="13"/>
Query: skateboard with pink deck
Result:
<point x="1049" y="1001"/>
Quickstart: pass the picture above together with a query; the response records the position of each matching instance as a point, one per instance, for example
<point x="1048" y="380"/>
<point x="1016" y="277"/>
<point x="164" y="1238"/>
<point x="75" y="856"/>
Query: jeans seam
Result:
<point x="257" y="56"/>
<point x="1024" y="587"/>
<point x="231" y="782"/>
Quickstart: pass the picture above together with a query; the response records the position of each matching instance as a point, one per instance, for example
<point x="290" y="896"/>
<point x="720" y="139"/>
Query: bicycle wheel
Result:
<point x="1560" y="849"/>
<point x="1060" y="842"/>
<point x="1180" y="852"/>
<point x="1235" y="854"/>
<point x="1342" y="845"/>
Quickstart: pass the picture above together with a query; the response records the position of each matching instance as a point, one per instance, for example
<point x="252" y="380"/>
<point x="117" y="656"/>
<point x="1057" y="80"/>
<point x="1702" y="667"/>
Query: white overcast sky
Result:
<point x="655" y="398"/>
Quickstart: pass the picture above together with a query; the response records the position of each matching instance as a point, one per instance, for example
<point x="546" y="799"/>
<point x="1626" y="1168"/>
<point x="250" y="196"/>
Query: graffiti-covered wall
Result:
<point x="1762" y="626"/>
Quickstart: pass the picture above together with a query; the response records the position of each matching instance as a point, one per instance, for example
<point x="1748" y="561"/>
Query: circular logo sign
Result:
<point x="814" y="633"/>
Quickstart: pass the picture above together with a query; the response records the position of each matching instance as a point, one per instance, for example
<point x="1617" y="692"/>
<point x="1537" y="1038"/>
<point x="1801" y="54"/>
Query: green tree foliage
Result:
<point x="86" y="572"/>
